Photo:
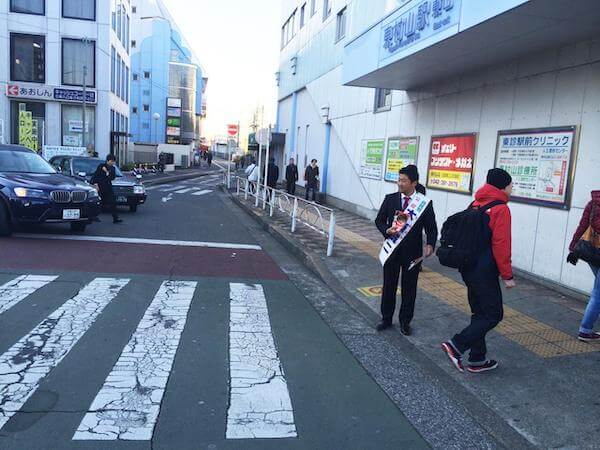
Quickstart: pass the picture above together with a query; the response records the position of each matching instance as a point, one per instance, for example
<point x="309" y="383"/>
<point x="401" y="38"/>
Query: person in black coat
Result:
<point x="409" y="250"/>
<point x="291" y="176"/>
<point x="103" y="178"/>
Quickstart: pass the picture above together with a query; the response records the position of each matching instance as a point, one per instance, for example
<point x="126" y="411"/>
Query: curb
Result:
<point x="489" y="420"/>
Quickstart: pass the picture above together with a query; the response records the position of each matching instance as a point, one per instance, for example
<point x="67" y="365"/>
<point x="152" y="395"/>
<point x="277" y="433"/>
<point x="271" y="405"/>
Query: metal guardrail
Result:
<point x="310" y="214"/>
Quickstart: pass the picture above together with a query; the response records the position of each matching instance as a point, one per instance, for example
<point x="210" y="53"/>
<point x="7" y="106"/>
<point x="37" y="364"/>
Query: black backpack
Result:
<point x="465" y="236"/>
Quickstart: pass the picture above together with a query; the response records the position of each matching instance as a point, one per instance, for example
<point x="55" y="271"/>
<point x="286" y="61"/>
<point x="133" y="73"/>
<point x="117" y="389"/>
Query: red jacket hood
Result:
<point x="489" y="193"/>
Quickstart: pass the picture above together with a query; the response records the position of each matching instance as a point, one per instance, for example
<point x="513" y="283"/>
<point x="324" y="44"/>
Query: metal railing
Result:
<point x="310" y="214"/>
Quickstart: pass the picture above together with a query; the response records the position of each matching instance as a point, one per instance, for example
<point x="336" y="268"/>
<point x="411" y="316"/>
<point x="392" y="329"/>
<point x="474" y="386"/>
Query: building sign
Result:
<point x="451" y="162"/>
<point x="401" y="152"/>
<point x="173" y="102"/>
<point x="540" y="162"/>
<point x="173" y="131"/>
<point x="232" y="130"/>
<point x="371" y="159"/>
<point x="174" y="112"/>
<point x="425" y="19"/>
<point x="51" y="151"/>
<point x="49" y="93"/>
<point x="28" y="130"/>
<point x="173" y="120"/>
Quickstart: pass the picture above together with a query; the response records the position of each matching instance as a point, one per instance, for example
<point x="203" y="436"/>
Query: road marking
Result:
<point x="174" y="188"/>
<point x="24" y="365"/>
<point x="127" y="406"/>
<point x="158" y="186"/>
<point x="185" y="191"/>
<point x="202" y="192"/>
<point x="122" y="240"/>
<point x="260" y="405"/>
<point x="167" y="198"/>
<point x="20" y="288"/>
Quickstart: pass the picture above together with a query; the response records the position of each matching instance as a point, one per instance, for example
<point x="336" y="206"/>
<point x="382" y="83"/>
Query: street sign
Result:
<point x="263" y="136"/>
<point x="232" y="130"/>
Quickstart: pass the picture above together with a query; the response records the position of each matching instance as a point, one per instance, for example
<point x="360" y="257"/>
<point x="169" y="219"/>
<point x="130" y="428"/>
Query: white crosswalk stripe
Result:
<point x="204" y="192"/>
<point x="185" y="191"/>
<point x="27" y="362"/>
<point x="20" y="288"/>
<point x="260" y="405"/>
<point x="127" y="406"/>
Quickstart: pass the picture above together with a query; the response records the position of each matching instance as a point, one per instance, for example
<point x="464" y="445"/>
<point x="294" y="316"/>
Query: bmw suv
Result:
<point x="32" y="192"/>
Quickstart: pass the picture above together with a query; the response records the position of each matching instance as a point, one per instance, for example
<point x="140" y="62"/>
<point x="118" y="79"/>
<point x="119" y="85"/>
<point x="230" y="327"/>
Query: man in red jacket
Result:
<point x="483" y="286"/>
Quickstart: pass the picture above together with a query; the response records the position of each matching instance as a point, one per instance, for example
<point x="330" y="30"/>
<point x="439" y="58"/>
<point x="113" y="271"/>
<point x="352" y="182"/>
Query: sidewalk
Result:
<point x="547" y="384"/>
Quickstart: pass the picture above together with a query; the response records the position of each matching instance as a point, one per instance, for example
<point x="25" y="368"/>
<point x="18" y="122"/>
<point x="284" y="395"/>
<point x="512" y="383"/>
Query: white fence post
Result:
<point x="257" y="194"/>
<point x="246" y="190"/>
<point x="331" y="234"/>
<point x="238" y="186"/>
<point x="294" y="214"/>
<point x="272" y="202"/>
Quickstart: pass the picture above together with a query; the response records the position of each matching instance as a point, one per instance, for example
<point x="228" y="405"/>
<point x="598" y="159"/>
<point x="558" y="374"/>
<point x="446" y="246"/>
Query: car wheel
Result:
<point x="78" y="227"/>
<point x="5" y="224"/>
<point x="133" y="208"/>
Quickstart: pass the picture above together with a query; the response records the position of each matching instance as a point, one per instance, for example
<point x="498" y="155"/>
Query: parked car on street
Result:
<point x="32" y="192"/>
<point x="129" y="191"/>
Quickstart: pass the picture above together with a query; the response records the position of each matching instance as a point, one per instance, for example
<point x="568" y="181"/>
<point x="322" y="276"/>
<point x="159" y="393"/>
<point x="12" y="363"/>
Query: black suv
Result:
<point x="129" y="191"/>
<point x="31" y="191"/>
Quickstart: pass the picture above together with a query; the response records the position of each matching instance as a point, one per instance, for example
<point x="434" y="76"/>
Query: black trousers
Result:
<point x="291" y="187"/>
<point x="485" y="299"/>
<point x="109" y="202"/>
<point x="391" y="274"/>
<point x="311" y="193"/>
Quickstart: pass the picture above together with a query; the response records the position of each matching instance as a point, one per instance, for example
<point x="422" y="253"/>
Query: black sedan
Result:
<point x="129" y="191"/>
<point x="32" y="192"/>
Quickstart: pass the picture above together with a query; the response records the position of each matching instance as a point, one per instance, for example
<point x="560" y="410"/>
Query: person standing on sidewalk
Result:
<point x="209" y="158"/>
<point x="252" y="172"/>
<point x="103" y="178"/>
<point x="590" y="225"/>
<point x="291" y="177"/>
<point x="393" y="216"/>
<point x="311" y="176"/>
<point x="482" y="276"/>
<point x="272" y="177"/>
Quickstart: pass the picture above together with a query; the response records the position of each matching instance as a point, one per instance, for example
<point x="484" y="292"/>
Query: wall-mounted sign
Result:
<point x="371" y="159"/>
<point x="32" y="91"/>
<point x="173" y="102"/>
<point x="401" y="152"/>
<point x="27" y="131"/>
<point x="451" y="162"/>
<point x="174" y="122"/>
<point x="173" y="131"/>
<point x="425" y="19"/>
<point x="540" y="162"/>
<point x="174" y="112"/>
<point x="51" y="151"/>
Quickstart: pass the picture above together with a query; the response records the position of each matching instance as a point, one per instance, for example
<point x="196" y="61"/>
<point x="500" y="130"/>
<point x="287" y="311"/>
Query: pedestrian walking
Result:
<point x="483" y="251"/>
<point x="209" y="158"/>
<point x="291" y="177"/>
<point x="588" y="232"/>
<point x="272" y="177"/>
<point x="252" y="172"/>
<point x="402" y="218"/>
<point x="311" y="177"/>
<point x="243" y="161"/>
<point x="103" y="177"/>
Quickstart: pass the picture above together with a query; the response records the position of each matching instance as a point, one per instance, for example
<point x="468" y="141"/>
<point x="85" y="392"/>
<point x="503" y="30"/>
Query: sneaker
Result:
<point x="588" y="337"/>
<point x="453" y="355"/>
<point x="490" y="364"/>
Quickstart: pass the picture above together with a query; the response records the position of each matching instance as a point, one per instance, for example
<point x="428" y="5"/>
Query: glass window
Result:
<point x="313" y="7"/>
<point x="340" y="32"/>
<point x="134" y="9"/>
<point x="133" y="43"/>
<point x="126" y="84"/>
<point x="326" y="8"/>
<point x="72" y="125"/>
<point x="113" y="57"/>
<point x="123" y="80"/>
<point x="135" y="77"/>
<point x="28" y="6"/>
<point x="25" y="162"/>
<point x="146" y="74"/>
<point x="79" y="9"/>
<point x="126" y="42"/>
<point x="146" y="108"/>
<point x="302" y="13"/>
<point x="76" y="54"/>
<point x="134" y="110"/>
<point x="28" y="124"/>
<point x="119" y="21"/>
<point x="27" y="58"/>
<point x="119" y="65"/>
<point x="383" y="99"/>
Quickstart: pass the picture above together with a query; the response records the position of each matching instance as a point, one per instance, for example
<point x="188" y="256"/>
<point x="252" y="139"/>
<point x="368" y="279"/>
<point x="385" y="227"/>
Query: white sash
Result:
<point x="414" y="211"/>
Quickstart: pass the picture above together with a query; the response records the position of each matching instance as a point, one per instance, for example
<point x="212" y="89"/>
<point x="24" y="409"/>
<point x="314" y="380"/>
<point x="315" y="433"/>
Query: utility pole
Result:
<point x="86" y="42"/>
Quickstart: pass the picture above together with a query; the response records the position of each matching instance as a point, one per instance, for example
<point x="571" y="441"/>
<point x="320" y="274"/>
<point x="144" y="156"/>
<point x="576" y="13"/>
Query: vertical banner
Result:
<point x="371" y="159"/>
<point x="451" y="162"/>
<point x="401" y="152"/>
<point x="26" y="137"/>
<point x="540" y="162"/>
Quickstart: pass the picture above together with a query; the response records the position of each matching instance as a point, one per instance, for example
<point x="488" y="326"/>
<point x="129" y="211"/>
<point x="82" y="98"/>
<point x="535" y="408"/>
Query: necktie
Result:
<point x="405" y="204"/>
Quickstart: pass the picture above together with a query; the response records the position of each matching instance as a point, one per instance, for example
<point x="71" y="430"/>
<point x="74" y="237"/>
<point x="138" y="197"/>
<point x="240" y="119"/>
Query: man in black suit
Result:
<point x="409" y="250"/>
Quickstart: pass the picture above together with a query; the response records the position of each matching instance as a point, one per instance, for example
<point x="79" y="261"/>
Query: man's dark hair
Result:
<point x="111" y="157"/>
<point x="313" y="160"/>
<point x="411" y="172"/>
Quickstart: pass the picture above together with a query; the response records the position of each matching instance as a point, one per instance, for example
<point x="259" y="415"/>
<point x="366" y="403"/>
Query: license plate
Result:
<point x="71" y="214"/>
<point x="122" y="199"/>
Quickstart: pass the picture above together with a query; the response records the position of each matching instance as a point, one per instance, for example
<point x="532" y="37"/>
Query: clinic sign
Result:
<point x="451" y="162"/>
<point x="540" y="162"/>
<point x="425" y="19"/>
<point x="44" y="92"/>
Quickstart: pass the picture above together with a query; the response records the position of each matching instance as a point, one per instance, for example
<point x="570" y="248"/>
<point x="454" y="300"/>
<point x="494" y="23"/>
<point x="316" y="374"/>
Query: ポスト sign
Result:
<point x="451" y="162"/>
<point x="540" y="163"/>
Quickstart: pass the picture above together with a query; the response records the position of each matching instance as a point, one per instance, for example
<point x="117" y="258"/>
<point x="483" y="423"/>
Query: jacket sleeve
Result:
<point x="584" y="223"/>
<point x="500" y="224"/>
<point x="295" y="174"/>
<point x="381" y="220"/>
<point x="430" y="226"/>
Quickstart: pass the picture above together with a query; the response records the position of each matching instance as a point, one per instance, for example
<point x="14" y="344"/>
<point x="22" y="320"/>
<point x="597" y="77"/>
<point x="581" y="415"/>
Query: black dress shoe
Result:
<point x="383" y="325"/>
<point x="115" y="221"/>
<point x="405" y="329"/>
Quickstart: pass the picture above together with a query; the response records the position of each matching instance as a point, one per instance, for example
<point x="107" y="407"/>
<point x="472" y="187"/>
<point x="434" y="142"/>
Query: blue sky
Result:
<point x="237" y="42"/>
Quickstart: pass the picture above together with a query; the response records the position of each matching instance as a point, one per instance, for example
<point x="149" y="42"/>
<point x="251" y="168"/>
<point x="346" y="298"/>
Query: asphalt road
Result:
<point x="177" y="329"/>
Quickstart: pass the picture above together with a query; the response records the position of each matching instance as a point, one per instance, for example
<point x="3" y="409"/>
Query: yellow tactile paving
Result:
<point x="537" y="337"/>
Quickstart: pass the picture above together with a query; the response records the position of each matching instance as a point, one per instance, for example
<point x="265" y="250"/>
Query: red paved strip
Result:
<point x="145" y="259"/>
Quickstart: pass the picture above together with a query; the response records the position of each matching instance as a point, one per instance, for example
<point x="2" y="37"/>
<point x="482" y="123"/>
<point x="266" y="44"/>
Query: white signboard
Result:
<point x="371" y="159"/>
<point x="56" y="150"/>
<point x="75" y="126"/>
<point x="263" y="136"/>
<point x="540" y="163"/>
<point x="174" y="102"/>
<point x="33" y="91"/>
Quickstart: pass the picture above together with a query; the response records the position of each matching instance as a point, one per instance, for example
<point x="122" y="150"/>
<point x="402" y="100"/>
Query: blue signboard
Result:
<point x="425" y="19"/>
<point x="74" y="95"/>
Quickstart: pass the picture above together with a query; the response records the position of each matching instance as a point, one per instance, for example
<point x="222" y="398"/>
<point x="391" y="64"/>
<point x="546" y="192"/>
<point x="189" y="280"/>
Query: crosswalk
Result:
<point x="127" y="405"/>
<point x="195" y="187"/>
